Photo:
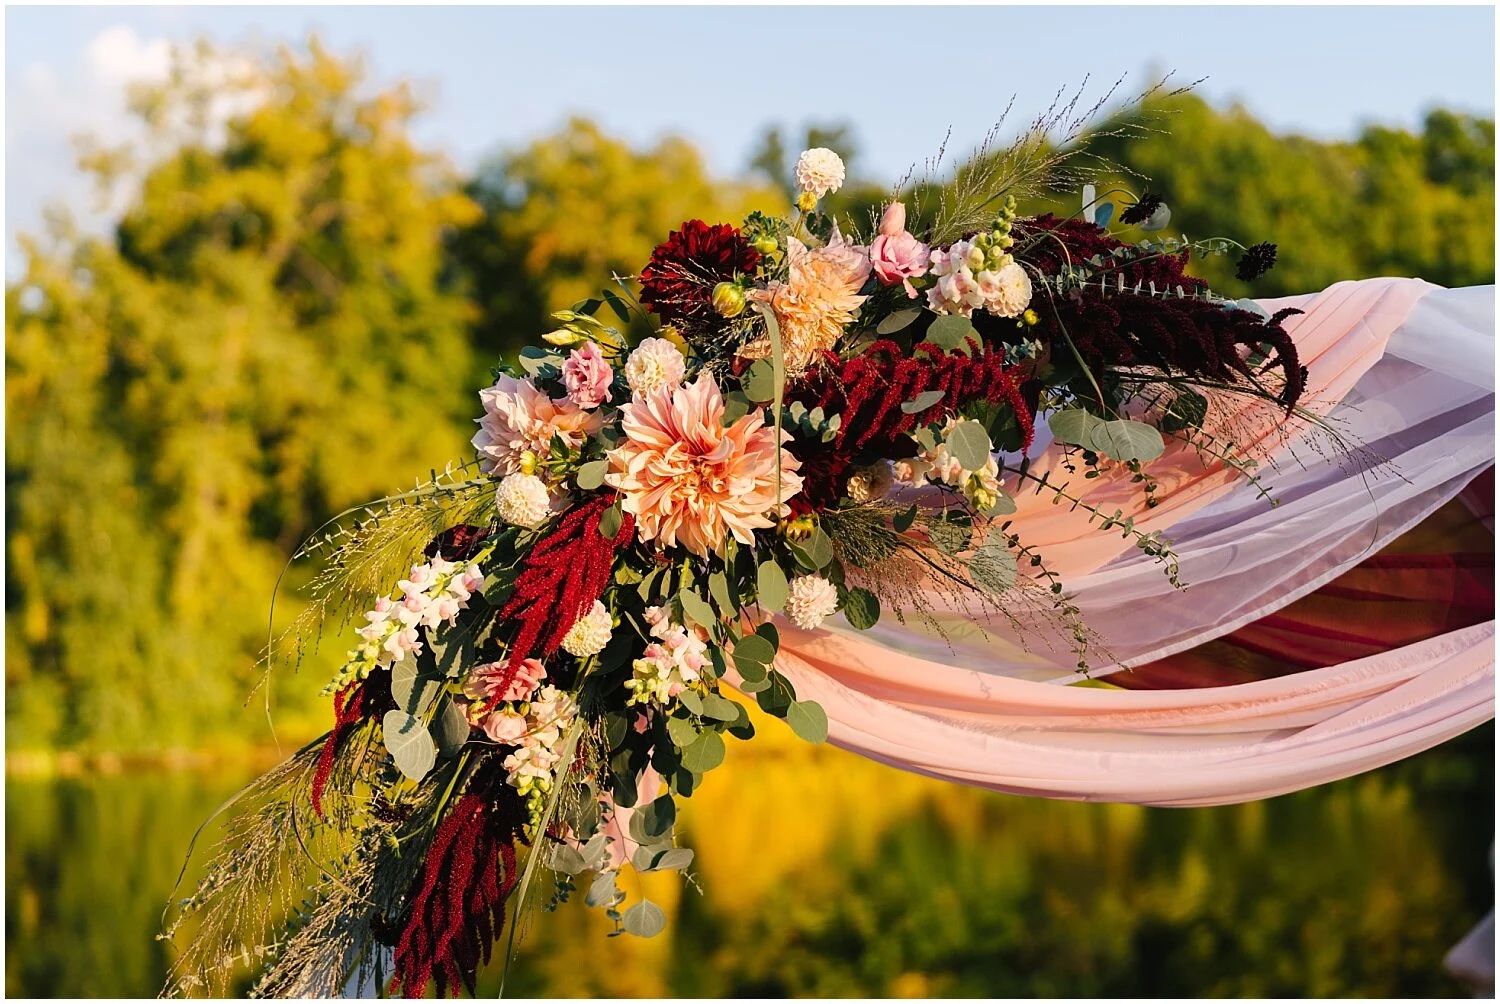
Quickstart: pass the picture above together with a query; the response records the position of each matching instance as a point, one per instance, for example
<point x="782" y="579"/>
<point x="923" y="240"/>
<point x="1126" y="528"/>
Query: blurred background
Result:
<point x="259" y="261"/>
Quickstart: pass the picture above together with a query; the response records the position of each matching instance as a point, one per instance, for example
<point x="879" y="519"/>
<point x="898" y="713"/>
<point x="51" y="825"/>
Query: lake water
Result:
<point x="819" y="873"/>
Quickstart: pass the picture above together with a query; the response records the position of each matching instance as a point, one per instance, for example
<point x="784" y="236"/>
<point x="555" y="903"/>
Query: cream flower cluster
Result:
<point x="982" y="487"/>
<point x="671" y="662"/>
<point x="810" y="600"/>
<point x="433" y="594"/>
<point x="589" y="633"/>
<point x="654" y="364"/>
<point x="819" y="171"/>
<point x="968" y="277"/>
<point x="547" y="718"/>
<point x="522" y="500"/>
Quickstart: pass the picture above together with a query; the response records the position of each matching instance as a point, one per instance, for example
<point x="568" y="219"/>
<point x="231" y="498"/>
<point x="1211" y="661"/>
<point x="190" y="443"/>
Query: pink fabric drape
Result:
<point x="890" y="695"/>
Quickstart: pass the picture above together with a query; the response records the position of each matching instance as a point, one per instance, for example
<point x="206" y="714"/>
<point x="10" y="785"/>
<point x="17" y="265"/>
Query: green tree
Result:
<point x="271" y="336"/>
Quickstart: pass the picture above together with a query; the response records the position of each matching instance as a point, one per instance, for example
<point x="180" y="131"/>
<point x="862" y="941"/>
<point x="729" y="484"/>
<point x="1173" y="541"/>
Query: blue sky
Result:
<point x="901" y="75"/>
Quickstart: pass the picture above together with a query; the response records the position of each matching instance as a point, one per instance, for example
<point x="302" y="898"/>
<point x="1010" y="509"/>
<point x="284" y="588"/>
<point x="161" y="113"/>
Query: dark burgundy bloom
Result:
<point x="679" y="281"/>
<point x="1256" y="262"/>
<point x="1141" y="211"/>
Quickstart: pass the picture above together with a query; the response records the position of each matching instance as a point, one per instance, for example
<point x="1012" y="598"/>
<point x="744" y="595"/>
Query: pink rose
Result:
<point x="505" y="727"/>
<point x="895" y="255"/>
<point x="587" y="376"/>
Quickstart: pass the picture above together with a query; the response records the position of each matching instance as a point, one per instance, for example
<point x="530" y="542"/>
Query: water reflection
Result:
<point x="824" y="874"/>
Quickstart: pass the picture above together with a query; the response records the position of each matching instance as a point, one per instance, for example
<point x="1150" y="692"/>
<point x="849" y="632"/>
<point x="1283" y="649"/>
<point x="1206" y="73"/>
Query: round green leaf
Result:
<point x="644" y="920"/>
<point x="682" y="731"/>
<point x="1125" y="440"/>
<point x="950" y="332"/>
<point x="816" y="551"/>
<point x="409" y="743"/>
<point x="705" y="754"/>
<point x="808" y="720"/>
<point x="895" y="322"/>
<point x="696" y="608"/>
<point x="759" y="381"/>
<point x="970" y="445"/>
<point x="1072" y="426"/>
<point x="771" y="586"/>
<point x="754" y="648"/>
<point x="591" y="475"/>
<point x="921" y="402"/>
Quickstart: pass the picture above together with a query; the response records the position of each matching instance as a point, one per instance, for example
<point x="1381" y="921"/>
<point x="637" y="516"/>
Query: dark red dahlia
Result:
<point x="679" y="282"/>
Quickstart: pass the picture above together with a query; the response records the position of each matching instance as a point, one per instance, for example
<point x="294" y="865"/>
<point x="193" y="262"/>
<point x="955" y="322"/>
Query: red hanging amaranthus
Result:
<point x="458" y="907"/>
<point x="561" y="578"/>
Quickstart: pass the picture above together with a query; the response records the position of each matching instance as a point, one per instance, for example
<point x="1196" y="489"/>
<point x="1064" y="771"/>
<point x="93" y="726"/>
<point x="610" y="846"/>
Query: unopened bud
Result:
<point x="765" y="244"/>
<point x="1031" y="318"/>
<point x="729" y="299"/>
<point x="529" y="461"/>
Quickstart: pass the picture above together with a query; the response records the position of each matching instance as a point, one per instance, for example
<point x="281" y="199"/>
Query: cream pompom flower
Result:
<point x="1006" y="292"/>
<point x="819" y="171"/>
<point x="655" y="363"/>
<point x="522" y="500"/>
<point x="519" y="416"/>
<point x="688" y="480"/>
<point x="589" y="633"/>
<point x="811" y="600"/>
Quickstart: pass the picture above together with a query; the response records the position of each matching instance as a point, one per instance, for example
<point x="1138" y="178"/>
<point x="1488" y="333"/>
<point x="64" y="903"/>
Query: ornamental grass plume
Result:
<point x="688" y="480"/>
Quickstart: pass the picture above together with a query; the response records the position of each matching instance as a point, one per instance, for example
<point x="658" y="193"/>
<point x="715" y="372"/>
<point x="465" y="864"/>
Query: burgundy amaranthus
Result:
<point x="458" y="901"/>
<point x="868" y="391"/>
<point x="679" y="281"/>
<point x="561" y="578"/>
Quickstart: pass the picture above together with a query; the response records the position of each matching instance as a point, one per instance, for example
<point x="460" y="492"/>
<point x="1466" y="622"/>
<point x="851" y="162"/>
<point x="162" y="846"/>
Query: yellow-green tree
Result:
<point x="571" y="210"/>
<point x="269" y="337"/>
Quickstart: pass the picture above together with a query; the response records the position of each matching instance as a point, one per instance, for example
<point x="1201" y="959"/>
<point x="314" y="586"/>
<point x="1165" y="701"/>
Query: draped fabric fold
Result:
<point x="1404" y="368"/>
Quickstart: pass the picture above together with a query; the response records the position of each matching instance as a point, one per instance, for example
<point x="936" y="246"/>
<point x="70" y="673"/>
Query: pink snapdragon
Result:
<point x="895" y="255"/>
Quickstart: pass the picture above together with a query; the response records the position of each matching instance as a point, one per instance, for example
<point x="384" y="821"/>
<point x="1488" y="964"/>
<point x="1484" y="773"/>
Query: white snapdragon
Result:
<point x="433" y="594"/>
<point x="530" y="768"/>
<point x="970" y="278"/>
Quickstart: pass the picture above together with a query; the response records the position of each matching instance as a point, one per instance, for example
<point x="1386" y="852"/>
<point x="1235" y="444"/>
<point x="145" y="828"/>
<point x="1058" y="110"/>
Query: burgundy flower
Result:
<point x="678" y="284"/>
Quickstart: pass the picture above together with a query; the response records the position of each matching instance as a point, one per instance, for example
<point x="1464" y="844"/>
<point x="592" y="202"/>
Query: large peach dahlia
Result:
<point x="690" y="481"/>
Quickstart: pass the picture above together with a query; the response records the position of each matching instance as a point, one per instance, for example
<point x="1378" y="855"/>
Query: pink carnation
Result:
<point x="895" y="255"/>
<point x="587" y="376"/>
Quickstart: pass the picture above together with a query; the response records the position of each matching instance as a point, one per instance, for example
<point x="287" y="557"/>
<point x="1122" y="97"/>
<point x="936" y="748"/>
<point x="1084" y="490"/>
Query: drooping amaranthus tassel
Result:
<point x="360" y="700"/>
<point x="458" y="903"/>
<point x="561" y="578"/>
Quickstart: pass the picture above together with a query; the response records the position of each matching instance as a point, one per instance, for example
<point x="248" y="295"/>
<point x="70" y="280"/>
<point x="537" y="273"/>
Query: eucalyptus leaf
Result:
<point x="672" y="859"/>
<point x="1004" y="505"/>
<point x="759" y="381"/>
<point x="658" y="817"/>
<point x="703" y="755"/>
<point x="771" y="586"/>
<point x="1158" y="220"/>
<point x="691" y="700"/>
<point x="970" y="445"/>
<point x="413" y="690"/>
<point x="736" y="407"/>
<point x="756" y="649"/>
<point x="1072" y="426"/>
<point x="603" y="891"/>
<point x="993" y="566"/>
<point x="610" y="520"/>
<point x="777" y="697"/>
<point x="566" y="859"/>
<point x="682" y="731"/>
<point x="815" y="552"/>
<point x="861" y="608"/>
<point x="718" y="588"/>
<point x="409" y="743"/>
<point x="591" y="475"/>
<point x="949" y="537"/>
<point x="903" y="520"/>
<point x="696" y="609"/>
<point x="1126" y="440"/>
<point x="450" y="728"/>
<point x="950" y="332"/>
<point x="894" y="322"/>
<point x="644" y="920"/>
<point x="720" y="708"/>
<point x="921" y="402"/>
<point x="808" y="720"/>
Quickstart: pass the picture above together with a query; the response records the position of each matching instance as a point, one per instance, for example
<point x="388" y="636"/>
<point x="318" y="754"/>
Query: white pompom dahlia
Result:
<point x="522" y="500"/>
<point x="819" y="171"/>
<point x="811" y="600"/>
<point x="589" y="633"/>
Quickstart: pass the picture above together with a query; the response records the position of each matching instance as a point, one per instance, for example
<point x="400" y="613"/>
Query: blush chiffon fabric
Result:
<point x="1402" y="374"/>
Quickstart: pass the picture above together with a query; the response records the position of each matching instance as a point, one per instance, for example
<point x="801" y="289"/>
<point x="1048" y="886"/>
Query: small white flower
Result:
<point x="654" y="363"/>
<point x="522" y="500"/>
<point x="819" y="171"/>
<point x="589" y="633"/>
<point x="810" y="600"/>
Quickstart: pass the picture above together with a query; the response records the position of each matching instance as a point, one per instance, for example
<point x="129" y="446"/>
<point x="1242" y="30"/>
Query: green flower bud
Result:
<point x="729" y="299"/>
<point x="765" y="244"/>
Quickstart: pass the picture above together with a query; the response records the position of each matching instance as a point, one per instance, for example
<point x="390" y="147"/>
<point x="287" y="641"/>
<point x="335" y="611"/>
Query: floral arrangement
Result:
<point x="788" y="419"/>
